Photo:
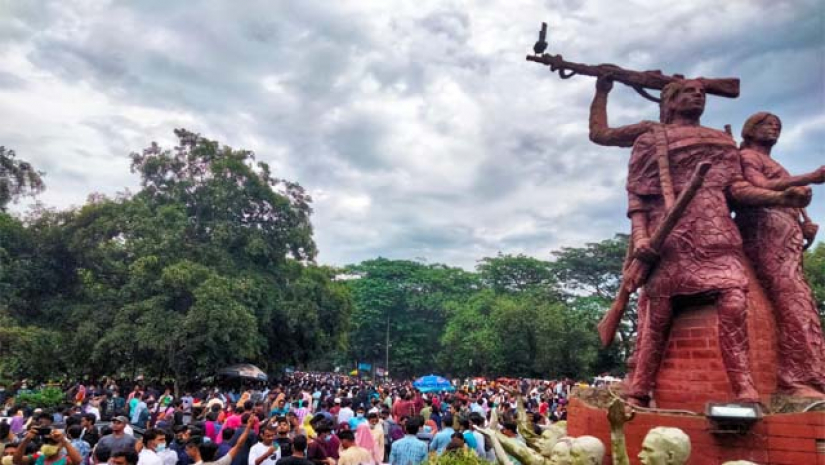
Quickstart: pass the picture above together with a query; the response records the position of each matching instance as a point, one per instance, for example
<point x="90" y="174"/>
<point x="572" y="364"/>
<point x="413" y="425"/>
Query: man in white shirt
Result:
<point x="265" y="452"/>
<point x="346" y="412"/>
<point x="154" y="441"/>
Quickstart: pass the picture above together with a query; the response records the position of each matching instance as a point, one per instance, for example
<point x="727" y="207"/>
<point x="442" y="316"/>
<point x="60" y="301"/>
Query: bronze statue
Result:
<point x="774" y="239"/>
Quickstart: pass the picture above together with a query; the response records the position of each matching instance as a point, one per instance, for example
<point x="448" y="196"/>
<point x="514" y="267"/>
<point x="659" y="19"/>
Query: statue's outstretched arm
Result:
<point x="504" y="446"/>
<point x="744" y="193"/>
<point x="753" y="174"/>
<point x="501" y="455"/>
<point x="600" y="132"/>
<point x="521" y="420"/>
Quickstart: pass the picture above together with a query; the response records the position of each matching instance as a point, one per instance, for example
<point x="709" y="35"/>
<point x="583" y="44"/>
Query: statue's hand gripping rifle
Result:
<point x="636" y="274"/>
<point x="640" y="81"/>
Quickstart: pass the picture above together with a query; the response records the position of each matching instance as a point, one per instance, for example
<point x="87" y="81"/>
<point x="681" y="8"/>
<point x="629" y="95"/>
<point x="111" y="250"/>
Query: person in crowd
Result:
<point x="118" y="441"/>
<point x="283" y="437"/>
<point x="50" y="450"/>
<point x="377" y="432"/>
<point x="357" y="419"/>
<point x="466" y="431"/>
<point x="295" y="428"/>
<point x="89" y="431"/>
<point x="408" y="450"/>
<point x="101" y="455"/>
<point x="443" y="438"/>
<point x="298" y="457"/>
<point x="477" y="421"/>
<point x="457" y="443"/>
<point x="83" y="448"/>
<point x="364" y="439"/>
<point x="346" y="413"/>
<point x="280" y="409"/>
<point x="139" y="415"/>
<point x="182" y="436"/>
<point x="316" y="453"/>
<point x="226" y="442"/>
<point x="203" y="453"/>
<point x="125" y="457"/>
<point x="166" y="454"/>
<point x="154" y="442"/>
<point x="351" y="452"/>
<point x="329" y="441"/>
<point x="246" y="444"/>
<point x="266" y="451"/>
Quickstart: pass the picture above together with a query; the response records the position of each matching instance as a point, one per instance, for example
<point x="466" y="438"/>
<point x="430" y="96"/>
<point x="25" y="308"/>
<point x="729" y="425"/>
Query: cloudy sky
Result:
<point x="417" y="126"/>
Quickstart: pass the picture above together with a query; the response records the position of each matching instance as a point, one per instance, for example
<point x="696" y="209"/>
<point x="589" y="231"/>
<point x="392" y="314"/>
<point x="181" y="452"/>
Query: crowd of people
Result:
<point x="301" y="419"/>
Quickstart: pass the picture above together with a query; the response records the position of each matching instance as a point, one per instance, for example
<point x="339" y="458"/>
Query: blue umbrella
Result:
<point x="433" y="383"/>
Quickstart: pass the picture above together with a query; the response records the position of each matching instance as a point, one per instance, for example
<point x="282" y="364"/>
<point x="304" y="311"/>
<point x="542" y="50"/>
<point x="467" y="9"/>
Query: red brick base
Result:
<point x="692" y="373"/>
<point x="784" y="439"/>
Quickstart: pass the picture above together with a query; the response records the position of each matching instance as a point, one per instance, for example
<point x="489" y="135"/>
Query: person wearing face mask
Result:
<point x="329" y="441"/>
<point x="50" y="451"/>
<point x="377" y="432"/>
<point x="357" y="419"/>
<point x="168" y="455"/>
<point x="154" y="442"/>
<point x="316" y="452"/>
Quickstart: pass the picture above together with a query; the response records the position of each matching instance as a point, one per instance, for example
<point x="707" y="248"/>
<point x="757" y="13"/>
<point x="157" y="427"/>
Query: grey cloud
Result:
<point x="429" y="112"/>
<point x="10" y="82"/>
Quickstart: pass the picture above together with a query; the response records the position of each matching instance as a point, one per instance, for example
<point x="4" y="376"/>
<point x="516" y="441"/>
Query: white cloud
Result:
<point x="418" y="127"/>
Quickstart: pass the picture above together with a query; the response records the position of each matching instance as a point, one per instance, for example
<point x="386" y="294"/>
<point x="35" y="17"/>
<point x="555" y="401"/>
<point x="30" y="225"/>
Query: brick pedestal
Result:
<point x="782" y="439"/>
<point x="692" y="373"/>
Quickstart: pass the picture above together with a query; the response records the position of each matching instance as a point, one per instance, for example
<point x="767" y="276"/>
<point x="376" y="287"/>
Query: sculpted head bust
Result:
<point x="665" y="446"/>
<point x="587" y="450"/>
<point x="560" y="454"/>
<point x="549" y="438"/>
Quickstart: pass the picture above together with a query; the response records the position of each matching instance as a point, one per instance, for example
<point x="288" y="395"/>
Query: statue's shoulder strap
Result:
<point x="663" y="159"/>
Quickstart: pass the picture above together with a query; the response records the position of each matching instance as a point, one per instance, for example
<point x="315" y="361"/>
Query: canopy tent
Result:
<point x="433" y="383"/>
<point x="243" y="371"/>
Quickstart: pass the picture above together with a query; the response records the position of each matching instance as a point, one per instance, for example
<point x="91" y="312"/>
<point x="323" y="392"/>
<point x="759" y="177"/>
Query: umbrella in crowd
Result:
<point x="433" y="383"/>
<point x="243" y="370"/>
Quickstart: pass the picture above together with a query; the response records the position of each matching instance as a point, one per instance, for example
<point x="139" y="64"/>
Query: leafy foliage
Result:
<point x="457" y="457"/>
<point x="814" y="264"/>
<point x="44" y="398"/>
<point x="17" y="178"/>
<point x="209" y="264"/>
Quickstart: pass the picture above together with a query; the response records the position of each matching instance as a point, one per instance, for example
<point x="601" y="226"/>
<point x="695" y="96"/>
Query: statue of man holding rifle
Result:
<point x="682" y="177"/>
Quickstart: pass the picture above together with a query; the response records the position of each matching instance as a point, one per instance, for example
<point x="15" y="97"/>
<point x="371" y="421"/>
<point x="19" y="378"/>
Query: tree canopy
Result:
<point x="211" y="262"/>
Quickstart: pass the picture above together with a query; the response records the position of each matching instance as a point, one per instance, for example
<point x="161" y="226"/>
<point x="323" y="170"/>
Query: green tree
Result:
<point x="209" y="263"/>
<point x="408" y="300"/>
<point x="814" y="264"/>
<point x="17" y="178"/>
<point x="595" y="271"/>
<point x="516" y="273"/>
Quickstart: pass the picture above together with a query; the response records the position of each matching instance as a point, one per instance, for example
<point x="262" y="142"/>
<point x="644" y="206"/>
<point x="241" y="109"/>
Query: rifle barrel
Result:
<point x="723" y="87"/>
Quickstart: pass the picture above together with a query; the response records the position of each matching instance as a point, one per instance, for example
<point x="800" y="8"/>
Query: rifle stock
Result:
<point x="635" y="275"/>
